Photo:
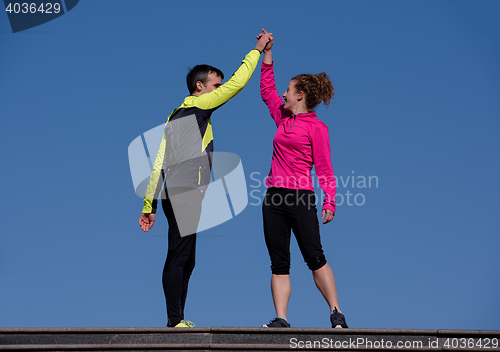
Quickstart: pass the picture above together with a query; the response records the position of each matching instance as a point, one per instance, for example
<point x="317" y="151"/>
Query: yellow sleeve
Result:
<point x="155" y="180"/>
<point x="233" y="86"/>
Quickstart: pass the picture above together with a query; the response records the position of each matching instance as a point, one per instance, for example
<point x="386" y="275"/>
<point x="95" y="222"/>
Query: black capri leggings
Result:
<point x="284" y="210"/>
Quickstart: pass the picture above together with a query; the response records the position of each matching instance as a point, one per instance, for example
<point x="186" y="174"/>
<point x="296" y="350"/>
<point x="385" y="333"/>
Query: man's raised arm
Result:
<point x="237" y="81"/>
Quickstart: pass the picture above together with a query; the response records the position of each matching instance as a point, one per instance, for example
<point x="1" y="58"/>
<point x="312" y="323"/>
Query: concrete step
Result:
<point x="244" y="339"/>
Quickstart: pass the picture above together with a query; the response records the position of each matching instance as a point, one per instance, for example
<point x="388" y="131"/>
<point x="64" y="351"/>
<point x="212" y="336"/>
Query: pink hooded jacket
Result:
<point x="300" y="141"/>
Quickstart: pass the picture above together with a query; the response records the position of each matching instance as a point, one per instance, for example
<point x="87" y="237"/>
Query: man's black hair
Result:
<point x="200" y="73"/>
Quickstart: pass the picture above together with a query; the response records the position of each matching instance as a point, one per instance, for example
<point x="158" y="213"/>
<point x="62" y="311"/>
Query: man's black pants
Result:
<point x="182" y="207"/>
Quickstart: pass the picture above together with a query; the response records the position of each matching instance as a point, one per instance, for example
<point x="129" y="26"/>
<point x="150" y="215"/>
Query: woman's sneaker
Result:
<point x="277" y="323"/>
<point x="338" y="320"/>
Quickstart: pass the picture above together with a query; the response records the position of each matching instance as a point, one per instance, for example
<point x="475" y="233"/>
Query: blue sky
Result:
<point x="416" y="106"/>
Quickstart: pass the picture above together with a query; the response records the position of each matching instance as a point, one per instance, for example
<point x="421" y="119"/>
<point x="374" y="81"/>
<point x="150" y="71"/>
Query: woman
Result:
<point x="300" y="142"/>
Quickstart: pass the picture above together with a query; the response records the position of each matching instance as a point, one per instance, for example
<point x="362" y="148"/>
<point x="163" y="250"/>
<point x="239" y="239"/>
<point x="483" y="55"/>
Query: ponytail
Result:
<point x="316" y="88"/>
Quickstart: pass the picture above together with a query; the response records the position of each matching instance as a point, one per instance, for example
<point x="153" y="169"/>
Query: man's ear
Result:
<point x="199" y="86"/>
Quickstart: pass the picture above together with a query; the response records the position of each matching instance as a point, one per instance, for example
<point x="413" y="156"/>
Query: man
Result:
<point x="183" y="164"/>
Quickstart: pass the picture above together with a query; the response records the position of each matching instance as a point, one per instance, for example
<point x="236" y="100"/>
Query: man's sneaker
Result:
<point x="338" y="320"/>
<point x="277" y="323"/>
<point x="185" y="324"/>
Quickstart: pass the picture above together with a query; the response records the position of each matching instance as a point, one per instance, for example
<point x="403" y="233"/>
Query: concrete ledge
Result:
<point x="244" y="339"/>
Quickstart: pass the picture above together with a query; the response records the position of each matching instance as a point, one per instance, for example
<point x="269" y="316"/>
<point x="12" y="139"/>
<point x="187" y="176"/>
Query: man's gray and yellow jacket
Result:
<point x="184" y="158"/>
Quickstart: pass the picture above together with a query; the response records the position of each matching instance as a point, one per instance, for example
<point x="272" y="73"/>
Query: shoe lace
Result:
<point x="335" y="314"/>
<point x="189" y="323"/>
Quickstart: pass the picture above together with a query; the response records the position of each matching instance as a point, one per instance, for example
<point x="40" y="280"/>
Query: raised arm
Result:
<point x="268" y="90"/>
<point x="268" y="54"/>
<point x="270" y="95"/>
<point x="238" y="80"/>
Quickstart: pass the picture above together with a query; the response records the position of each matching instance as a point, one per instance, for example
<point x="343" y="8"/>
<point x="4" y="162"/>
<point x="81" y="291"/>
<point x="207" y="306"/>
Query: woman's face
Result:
<point x="291" y="97"/>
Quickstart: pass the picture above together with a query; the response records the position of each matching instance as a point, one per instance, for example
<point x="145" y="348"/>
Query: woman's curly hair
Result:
<point x="316" y="88"/>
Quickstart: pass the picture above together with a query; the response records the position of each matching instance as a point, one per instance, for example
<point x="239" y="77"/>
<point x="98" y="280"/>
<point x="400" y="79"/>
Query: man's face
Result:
<point x="213" y="81"/>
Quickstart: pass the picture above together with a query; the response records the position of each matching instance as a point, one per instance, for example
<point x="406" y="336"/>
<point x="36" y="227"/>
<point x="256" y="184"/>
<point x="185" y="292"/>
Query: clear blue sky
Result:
<point x="416" y="105"/>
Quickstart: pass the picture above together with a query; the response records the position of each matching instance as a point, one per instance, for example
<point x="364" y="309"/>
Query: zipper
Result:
<point x="294" y="117"/>
<point x="199" y="175"/>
